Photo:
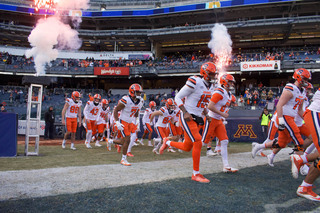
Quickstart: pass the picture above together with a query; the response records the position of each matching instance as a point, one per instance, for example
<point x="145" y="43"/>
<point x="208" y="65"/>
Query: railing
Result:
<point x="182" y="29"/>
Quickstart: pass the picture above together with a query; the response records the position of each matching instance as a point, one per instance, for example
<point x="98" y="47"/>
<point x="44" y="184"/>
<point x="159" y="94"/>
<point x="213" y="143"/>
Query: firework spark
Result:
<point x="221" y="46"/>
<point x="45" y="4"/>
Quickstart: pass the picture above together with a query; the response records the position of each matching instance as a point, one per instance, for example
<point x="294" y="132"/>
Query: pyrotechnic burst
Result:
<point x="46" y="4"/>
<point x="221" y="46"/>
<point x="54" y="33"/>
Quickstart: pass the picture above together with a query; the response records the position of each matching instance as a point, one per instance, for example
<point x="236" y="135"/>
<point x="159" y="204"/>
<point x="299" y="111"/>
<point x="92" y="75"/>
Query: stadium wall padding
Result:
<point x="8" y="134"/>
<point x="245" y="129"/>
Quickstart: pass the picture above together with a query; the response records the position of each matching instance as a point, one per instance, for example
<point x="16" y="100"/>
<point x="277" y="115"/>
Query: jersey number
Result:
<point x="74" y="109"/>
<point x="204" y="99"/>
<point x="133" y="111"/>
<point x="299" y="101"/>
<point x="94" y="111"/>
<point x="166" y="120"/>
<point x="223" y="108"/>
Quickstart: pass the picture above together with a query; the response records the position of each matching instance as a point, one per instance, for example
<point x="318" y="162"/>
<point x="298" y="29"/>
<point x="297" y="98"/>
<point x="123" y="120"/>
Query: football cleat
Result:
<point x="63" y="145"/>
<point x="171" y="150"/>
<point x="125" y="163"/>
<point x="255" y="149"/>
<point x="270" y="160"/>
<point x="155" y="151"/>
<point x="230" y="170"/>
<point x="211" y="153"/>
<point x="163" y="146"/>
<point x="306" y="192"/>
<point x="200" y="178"/>
<point x="72" y="147"/>
<point x="88" y="145"/>
<point x="98" y="144"/>
<point x="141" y="142"/>
<point x="129" y="154"/>
<point x="296" y="163"/>
<point x="149" y="143"/>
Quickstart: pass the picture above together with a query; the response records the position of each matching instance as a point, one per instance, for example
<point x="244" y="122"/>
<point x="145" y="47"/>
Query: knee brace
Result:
<point x="316" y="164"/>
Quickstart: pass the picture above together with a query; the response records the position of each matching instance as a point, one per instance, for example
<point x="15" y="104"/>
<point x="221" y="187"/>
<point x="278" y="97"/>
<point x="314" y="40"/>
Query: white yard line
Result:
<point x="56" y="181"/>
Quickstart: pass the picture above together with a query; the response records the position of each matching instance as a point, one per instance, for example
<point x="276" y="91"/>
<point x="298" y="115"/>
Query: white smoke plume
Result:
<point x="221" y="46"/>
<point x="52" y="34"/>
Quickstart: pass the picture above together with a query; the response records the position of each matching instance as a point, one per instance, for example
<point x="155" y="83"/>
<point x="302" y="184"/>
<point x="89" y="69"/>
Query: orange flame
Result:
<point x="46" y="4"/>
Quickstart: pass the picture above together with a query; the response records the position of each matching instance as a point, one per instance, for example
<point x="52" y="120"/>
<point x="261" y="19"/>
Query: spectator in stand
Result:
<point x="260" y="85"/>
<point x="240" y="101"/>
<point x="255" y="100"/>
<point x="263" y="97"/>
<point x="3" y="109"/>
<point x="270" y="95"/>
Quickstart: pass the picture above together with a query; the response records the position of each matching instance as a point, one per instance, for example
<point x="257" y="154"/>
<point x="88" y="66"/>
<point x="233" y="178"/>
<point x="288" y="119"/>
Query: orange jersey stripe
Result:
<point x="192" y="81"/>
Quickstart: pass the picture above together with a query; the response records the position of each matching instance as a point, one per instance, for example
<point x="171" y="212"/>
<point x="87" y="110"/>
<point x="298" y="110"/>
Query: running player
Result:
<point x="166" y="115"/>
<point x="218" y="109"/>
<point x="289" y="106"/>
<point x="147" y="123"/>
<point x="312" y="120"/>
<point x="197" y="92"/>
<point x="71" y="111"/>
<point x="129" y="106"/>
<point x="102" y="121"/>
<point x="91" y="113"/>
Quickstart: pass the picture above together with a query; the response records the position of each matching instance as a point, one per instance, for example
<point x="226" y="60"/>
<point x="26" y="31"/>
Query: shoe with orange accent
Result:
<point x="230" y="170"/>
<point x="262" y="154"/>
<point x="199" y="178"/>
<point x="163" y="146"/>
<point x="129" y="154"/>
<point x="296" y="163"/>
<point x="125" y="163"/>
<point x="306" y="192"/>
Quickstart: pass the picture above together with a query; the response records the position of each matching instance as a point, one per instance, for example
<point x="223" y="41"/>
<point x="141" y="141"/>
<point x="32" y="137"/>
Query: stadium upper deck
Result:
<point x="182" y="27"/>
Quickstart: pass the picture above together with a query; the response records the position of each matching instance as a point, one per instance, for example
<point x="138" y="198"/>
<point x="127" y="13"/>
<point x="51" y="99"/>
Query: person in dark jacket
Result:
<point x="49" y="118"/>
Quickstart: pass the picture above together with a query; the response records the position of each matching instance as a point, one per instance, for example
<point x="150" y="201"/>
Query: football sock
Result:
<point x="305" y="184"/>
<point x="224" y="152"/>
<point x="195" y="172"/>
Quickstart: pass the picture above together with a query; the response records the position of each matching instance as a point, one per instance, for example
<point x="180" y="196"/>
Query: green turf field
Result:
<point x="55" y="156"/>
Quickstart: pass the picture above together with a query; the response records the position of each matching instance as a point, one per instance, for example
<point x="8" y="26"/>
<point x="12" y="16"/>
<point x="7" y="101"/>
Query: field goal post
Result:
<point x="36" y="120"/>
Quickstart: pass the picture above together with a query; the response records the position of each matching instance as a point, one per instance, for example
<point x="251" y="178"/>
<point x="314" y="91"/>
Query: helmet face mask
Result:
<point x="209" y="72"/>
<point x="96" y="99"/>
<point x="302" y="76"/>
<point x="228" y="82"/>
<point x="170" y="105"/>
<point x="104" y="103"/>
<point x="75" y="96"/>
<point x="152" y="105"/>
<point x="135" y="91"/>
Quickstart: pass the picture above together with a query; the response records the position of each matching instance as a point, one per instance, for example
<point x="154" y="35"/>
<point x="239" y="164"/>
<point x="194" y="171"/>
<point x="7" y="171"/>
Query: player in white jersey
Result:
<point x="72" y="112"/>
<point x="91" y="113"/>
<point x="147" y="123"/>
<point x="288" y="107"/>
<point x="129" y="106"/>
<point x="166" y="114"/>
<point x="312" y="120"/>
<point x="197" y="93"/>
<point x="101" y="124"/>
<point x="218" y="109"/>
